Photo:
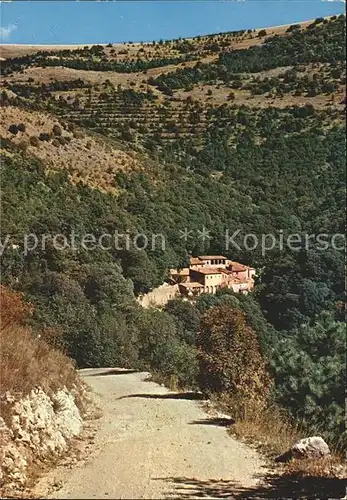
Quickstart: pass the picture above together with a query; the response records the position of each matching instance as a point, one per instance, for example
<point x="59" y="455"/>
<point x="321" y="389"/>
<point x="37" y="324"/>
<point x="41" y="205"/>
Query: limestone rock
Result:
<point x="311" y="447"/>
<point x="41" y="426"/>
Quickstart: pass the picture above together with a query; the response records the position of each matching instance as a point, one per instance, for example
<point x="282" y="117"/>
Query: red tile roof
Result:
<point x="207" y="270"/>
<point x="195" y="261"/>
<point x="236" y="266"/>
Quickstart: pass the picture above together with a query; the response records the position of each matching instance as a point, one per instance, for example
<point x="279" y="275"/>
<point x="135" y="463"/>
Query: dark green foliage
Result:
<point x="84" y="295"/>
<point x="298" y="286"/>
<point x="90" y="60"/>
<point x="309" y="366"/>
<point x="187" y="317"/>
<point x="44" y="136"/>
<point x="293" y="81"/>
<point x="13" y="129"/>
<point x="161" y="349"/>
<point x="140" y="269"/>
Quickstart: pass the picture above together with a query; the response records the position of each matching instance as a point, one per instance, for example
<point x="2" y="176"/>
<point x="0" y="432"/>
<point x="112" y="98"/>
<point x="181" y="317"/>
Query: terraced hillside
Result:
<point x="231" y="81"/>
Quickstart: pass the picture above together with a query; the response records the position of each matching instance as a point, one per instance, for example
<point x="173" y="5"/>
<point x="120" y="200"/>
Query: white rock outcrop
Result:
<point x="39" y="427"/>
<point x="312" y="447"/>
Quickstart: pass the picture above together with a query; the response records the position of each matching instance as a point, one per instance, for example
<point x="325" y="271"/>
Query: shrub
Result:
<point x="262" y="33"/>
<point x="161" y="350"/>
<point x="13" y="129"/>
<point x="56" y="130"/>
<point x="4" y="96"/>
<point x="21" y="127"/>
<point x="56" y="143"/>
<point x="62" y="140"/>
<point x="26" y="360"/>
<point x="230" y="360"/>
<point x="44" y="136"/>
<point x="177" y="364"/>
<point x="293" y="27"/>
<point x="34" y="141"/>
<point x="187" y="316"/>
<point x="14" y="310"/>
<point x="22" y="146"/>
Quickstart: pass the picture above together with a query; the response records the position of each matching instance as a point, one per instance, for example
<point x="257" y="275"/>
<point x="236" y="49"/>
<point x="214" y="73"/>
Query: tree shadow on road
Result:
<point x="115" y="371"/>
<point x="276" y="486"/>
<point x="195" y="396"/>
<point x="218" y="421"/>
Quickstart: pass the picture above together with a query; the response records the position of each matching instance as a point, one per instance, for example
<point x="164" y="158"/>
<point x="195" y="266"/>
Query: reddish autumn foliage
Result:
<point x="27" y="358"/>
<point x="13" y="308"/>
<point x="230" y="357"/>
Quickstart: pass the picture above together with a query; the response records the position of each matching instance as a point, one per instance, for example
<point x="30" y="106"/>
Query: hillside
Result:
<point x="157" y="152"/>
<point x="43" y="401"/>
<point x="58" y="145"/>
<point x="149" y="100"/>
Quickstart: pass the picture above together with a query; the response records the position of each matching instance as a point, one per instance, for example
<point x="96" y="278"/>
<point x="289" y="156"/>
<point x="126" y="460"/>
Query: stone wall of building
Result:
<point x="159" y="296"/>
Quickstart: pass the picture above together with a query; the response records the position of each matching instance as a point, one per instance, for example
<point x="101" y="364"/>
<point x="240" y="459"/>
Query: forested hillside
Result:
<point x="234" y="132"/>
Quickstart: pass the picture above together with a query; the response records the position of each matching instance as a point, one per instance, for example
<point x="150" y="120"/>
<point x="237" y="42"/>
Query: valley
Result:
<point x="126" y="162"/>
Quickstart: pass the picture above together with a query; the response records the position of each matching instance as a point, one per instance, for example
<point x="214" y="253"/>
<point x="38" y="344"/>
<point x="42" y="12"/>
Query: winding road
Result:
<point x="155" y="444"/>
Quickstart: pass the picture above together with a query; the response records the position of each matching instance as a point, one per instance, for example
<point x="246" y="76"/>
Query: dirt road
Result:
<point x="156" y="444"/>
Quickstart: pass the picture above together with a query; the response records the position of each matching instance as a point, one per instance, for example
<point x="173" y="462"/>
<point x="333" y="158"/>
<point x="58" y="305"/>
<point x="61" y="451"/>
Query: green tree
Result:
<point x="229" y="358"/>
<point x="309" y="367"/>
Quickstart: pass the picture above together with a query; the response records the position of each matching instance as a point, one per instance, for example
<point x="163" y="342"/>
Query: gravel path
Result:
<point x="155" y="444"/>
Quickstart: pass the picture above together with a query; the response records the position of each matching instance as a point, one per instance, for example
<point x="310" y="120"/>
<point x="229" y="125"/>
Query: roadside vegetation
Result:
<point x="28" y="361"/>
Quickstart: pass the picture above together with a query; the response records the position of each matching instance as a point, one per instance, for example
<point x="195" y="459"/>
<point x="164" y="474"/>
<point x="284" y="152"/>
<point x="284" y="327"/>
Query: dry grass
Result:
<point x="87" y="159"/>
<point x="329" y="467"/>
<point x="244" y="97"/>
<point x="268" y="429"/>
<point x="28" y="362"/>
<point x="273" y="433"/>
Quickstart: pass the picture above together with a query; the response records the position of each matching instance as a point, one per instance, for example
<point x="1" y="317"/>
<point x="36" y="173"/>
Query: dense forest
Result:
<point x="240" y="168"/>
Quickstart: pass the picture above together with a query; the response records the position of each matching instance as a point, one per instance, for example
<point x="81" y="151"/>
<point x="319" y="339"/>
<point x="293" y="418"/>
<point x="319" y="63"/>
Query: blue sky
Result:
<point x="70" y="22"/>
